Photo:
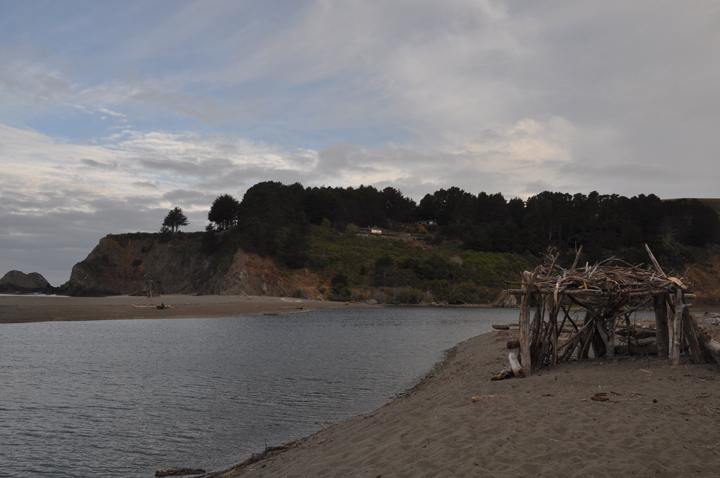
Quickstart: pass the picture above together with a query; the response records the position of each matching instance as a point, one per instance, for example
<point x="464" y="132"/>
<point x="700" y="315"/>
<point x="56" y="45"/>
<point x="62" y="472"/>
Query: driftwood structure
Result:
<point x="606" y="294"/>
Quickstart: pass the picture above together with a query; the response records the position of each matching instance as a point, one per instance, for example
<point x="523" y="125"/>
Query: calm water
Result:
<point x="124" y="398"/>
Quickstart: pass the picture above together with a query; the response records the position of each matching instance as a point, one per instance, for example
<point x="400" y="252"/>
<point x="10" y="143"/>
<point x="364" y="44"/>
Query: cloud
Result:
<point x="181" y="102"/>
<point x="96" y="164"/>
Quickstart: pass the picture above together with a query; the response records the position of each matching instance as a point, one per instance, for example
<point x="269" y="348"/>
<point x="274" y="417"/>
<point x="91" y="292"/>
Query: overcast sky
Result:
<point x="111" y="113"/>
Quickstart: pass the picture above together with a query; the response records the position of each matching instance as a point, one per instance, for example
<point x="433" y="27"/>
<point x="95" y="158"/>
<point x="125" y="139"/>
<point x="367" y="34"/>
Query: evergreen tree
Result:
<point x="223" y="212"/>
<point x="174" y="220"/>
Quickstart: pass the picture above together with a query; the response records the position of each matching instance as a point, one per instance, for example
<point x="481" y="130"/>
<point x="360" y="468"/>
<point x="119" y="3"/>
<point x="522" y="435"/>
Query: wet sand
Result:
<point x="657" y="421"/>
<point x="18" y="308"/>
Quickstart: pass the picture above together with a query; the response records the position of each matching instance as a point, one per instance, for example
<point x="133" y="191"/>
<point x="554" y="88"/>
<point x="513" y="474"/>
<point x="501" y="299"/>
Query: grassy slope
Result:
<point x="409" y="271"/>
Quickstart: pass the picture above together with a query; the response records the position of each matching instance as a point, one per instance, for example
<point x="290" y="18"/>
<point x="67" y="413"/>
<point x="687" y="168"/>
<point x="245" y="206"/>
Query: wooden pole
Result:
<point x="661" y="324"/>
<point x="655" y="262"/>
<point x="692" y="336"/>
<point x="586" y="338"/>
<point x="577" y="257"/>
<point x="677" y="329"/>
<point x="524" y="339"/>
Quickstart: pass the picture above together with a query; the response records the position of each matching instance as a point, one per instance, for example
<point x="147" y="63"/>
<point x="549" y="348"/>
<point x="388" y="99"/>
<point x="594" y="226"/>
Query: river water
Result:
<point x="123" y="398"/>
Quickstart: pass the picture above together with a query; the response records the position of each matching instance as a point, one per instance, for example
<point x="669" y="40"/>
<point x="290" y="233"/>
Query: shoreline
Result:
<point x="543" y="425"/>
<point x="28" y="308"/>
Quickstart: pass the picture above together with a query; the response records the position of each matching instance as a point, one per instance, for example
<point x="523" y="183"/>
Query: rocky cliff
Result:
<point x="705" y="281"/>
<point x="16" y="282"/>
<point x="175" y="264"/>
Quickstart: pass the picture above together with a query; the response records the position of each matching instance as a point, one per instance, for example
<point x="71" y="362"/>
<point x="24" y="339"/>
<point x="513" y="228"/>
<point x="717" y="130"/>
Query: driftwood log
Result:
<point x="515" y="366"/>
<point x="712" y="346"/>
<point x="268" y="451"/>
<point x="179" y="471"/>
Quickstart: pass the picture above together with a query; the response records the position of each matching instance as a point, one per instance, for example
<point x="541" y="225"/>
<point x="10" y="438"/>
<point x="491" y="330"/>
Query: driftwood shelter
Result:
<point x="606" y="294"/>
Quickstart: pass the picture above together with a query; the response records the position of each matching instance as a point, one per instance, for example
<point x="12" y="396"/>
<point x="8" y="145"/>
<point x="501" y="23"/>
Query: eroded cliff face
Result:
<point x="136" y="263"/>
<point x="705" y="282"/>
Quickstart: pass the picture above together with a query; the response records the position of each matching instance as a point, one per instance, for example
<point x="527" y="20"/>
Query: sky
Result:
<point x="111" y="113"/>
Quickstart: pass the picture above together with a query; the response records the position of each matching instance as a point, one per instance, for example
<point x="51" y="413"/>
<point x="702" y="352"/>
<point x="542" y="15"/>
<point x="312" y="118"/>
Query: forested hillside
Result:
<point x="362" y="243"/>
<point x="274" y="219"/>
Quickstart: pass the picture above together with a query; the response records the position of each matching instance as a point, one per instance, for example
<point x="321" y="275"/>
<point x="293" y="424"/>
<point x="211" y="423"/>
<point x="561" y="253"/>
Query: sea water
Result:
<point x="124" y="398"/>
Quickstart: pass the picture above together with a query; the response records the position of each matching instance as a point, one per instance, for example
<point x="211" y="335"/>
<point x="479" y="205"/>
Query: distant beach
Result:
<point x="30" y="308"/>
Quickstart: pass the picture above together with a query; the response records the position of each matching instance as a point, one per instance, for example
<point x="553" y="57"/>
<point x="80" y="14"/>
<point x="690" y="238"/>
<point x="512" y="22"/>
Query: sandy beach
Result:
<point x="20" y="308"/>
<point x="657" y="421"/>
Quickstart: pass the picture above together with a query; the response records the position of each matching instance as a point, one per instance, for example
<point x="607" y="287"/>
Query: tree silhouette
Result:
<point x="174" y="220"/>
<point x="223" y="211"/>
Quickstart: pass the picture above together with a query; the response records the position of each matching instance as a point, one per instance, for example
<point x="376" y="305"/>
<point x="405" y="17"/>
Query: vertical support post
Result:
<point x="661" y="324"/>
<point x="587" y="335"/>
<point x="524" y="339"/>
<point x="553" y="307"/>
<point x="692" y="336"/>
<point x="677" y="328"/>
<point x="670" y="307"/>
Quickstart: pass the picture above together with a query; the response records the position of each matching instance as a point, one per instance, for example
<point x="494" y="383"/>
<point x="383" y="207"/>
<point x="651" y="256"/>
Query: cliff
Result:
<point x="705" y="279"/>
<point x="342" y="267"/>
<point x="175" y="264"/>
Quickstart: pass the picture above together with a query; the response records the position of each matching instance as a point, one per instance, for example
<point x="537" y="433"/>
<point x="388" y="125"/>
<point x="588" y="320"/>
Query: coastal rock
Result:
<point x="19" y="282"/>
<point x="154" y="264"/>
<point x="506" y="300"/>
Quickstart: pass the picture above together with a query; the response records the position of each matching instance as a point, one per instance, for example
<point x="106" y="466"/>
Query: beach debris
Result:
<point x="512" y="370"/>
<point x="712" y="346"/>
<point x="515" y="366"/>
<point x="269" y="450"/>
<point x="179" y="471"/>
<point x="600" y="397"/>
<point x="503" y="374"/>
<point x="486" y="397"/>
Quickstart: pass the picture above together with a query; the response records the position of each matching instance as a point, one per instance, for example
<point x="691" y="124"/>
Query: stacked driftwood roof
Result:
<point x="602" y="284"/>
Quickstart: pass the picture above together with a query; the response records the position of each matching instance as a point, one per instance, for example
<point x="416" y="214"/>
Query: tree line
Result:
<point x="274" y="219"/>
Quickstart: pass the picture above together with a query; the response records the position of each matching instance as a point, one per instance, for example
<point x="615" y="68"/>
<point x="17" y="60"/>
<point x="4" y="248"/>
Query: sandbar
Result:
<point x="24" y="308"/>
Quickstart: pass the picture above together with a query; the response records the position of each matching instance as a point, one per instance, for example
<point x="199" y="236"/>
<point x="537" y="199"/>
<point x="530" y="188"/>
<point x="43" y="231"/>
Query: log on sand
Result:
<point x="515" y="366"/>
<point x="712" y="346"/>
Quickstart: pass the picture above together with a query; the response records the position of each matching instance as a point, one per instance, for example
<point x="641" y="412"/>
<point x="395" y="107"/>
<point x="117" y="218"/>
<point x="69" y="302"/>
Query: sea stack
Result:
<point x="16" y="282"/>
